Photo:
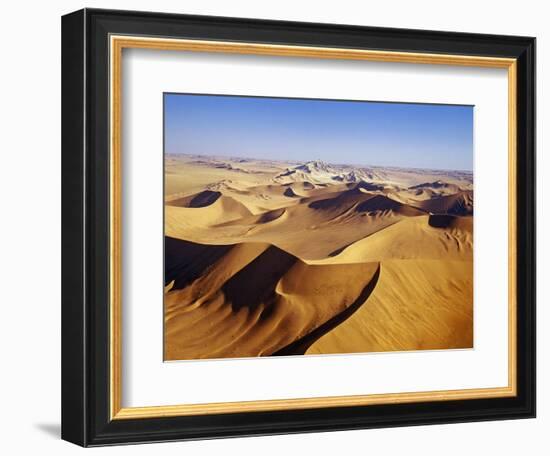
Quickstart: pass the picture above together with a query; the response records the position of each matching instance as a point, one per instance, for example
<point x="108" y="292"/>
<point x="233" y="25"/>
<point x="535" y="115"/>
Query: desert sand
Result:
<point x="267" y="258"/>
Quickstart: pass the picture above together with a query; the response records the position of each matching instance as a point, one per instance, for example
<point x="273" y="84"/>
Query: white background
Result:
<point x="148" y="73"/>
<point x="30" y="232"/>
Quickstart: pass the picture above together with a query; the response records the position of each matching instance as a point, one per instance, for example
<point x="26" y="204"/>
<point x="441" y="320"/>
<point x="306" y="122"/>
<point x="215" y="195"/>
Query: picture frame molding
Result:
<point x="92" y="45"/>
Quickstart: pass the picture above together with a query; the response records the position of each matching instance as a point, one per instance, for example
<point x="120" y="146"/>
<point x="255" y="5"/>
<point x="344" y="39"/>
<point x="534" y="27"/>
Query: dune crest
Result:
<point x="461" y="203"/>
<point x="202" y="199"/>
<point x="268" y="258"/>
<point x="222" y="209"/>
<point x="410" y="238"/>
<point x="416" y="305"/>
<point x="223" y="313"/>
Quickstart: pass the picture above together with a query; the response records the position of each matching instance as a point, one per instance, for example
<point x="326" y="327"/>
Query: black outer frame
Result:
<point x="85" y="227"/>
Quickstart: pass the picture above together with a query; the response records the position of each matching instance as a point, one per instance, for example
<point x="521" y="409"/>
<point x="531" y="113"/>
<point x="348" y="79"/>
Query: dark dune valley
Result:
<point x="269" y="258"/>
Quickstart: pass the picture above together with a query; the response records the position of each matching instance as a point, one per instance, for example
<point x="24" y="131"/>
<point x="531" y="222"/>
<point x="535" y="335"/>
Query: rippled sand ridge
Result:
<point x="268" y="258"/>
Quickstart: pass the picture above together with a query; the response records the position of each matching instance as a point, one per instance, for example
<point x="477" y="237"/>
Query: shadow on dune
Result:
<point x="447" y="221"/>
<point x="441" y="220"/>
<point x="369" y="186"/>
<point x="341" y="200"/>
<point x="300" y="346"/>
<point x="461" y="203"/>
<point x="383" y="203"/>
<point x="185" y="262"/>
<point x="364" y="202"/>
<point x="290" y="193"/>
<point x="270" y="216"/>
<point x="339" y="250"/>
<point x="255" y="284"/>
<point x="202" y="199"/>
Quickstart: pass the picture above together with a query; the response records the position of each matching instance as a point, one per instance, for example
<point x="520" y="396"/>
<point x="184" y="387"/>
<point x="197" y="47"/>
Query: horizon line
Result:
<point x="471" y="171"/>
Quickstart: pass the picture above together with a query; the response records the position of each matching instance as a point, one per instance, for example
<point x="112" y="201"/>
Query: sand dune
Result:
<point x="291" y="193"/>
<point x="384" y="204"/>
<point x="437" y="187"/>
<point x="301" y="186"/>
<point x="262" y="198"/>
<point x="412" y="238"/>
<point x="339" y="201"/>
<point x="268" y="258"/>
<point x="461" y="203"/>
<point x="223" y="313"/>
<point x="271" y="216"/>
<point x="202" y="199"/>
<point x="416" y="305"/>
<point x="222" y="209"/>
<point x="334" y="222"/>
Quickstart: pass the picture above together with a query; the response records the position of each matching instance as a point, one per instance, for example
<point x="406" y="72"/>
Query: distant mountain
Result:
<point x="314" y="171"/>
<point x="354" y="176"/>
<point x="315" y="166"/>
<point x="311" y="167"/>
<point x="317" y="171"/>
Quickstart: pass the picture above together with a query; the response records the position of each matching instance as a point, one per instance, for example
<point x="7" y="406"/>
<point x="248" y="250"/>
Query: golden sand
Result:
<point x="262" y="261"/>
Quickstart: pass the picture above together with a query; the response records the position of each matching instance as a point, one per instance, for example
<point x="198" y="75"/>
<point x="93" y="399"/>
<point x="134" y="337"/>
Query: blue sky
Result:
<point x="350" y="132"/>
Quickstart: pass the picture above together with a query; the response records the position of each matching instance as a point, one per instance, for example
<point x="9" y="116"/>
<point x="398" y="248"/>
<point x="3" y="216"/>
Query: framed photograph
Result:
<point x="278" y="227"/>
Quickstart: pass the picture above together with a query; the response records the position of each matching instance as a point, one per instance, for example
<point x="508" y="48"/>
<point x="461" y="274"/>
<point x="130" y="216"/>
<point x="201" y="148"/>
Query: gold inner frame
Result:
<point x="117" y="44"/>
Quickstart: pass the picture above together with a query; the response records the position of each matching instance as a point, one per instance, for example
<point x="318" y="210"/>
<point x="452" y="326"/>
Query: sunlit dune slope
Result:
<point x="438" y="187"/>
<point x="272" y="258"/>
<point x="416" y="305"/>
<point x="461" y="203"/>
<point x="208" y="210"/>
<point x="424" y="237"/>
<point x="201" y="199"/>
<point x="315" y="228"/>
<point x="254" y="299"/>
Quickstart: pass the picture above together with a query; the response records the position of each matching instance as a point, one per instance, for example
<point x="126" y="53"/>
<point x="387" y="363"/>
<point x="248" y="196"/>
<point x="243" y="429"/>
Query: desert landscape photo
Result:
<point x="307" y="227"/>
